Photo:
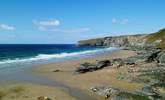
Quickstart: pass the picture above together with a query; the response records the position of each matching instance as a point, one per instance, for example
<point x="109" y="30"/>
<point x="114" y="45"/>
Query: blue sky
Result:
<point x="67" y="21"/>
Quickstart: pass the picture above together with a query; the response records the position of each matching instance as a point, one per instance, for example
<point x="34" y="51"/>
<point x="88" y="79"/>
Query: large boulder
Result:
<point x="102" y="64"/>
<point x="88" y="67"/>
<point x="153" y="56"/>
<point x="85" y="67"/>
<point x="161" y="57"/>
<point x="148" y="90"/>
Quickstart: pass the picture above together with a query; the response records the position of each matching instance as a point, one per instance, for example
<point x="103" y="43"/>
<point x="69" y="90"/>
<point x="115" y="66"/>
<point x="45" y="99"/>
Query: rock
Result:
<point x="117" y="62"/>
<point x="57" y="70"/>
<point x="43" y="98"/>
<point x="102" y="64"/>
<point x="88" y="67"/>
<point x="148" y="90"/>
<point x="85" y="67"/>
<point x="129" y="62"/>
<point x="105" y="92"/>
<point x="127" y="41"/>
<point x="161" y="57"/>
<point x="111" y="93"/>
<point x="153" y="56"/>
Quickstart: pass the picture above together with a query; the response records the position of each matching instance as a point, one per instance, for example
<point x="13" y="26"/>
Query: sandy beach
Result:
<point x="29" y="91"/>
<point x="71" y="86"/>
<point x="84" y="82"/>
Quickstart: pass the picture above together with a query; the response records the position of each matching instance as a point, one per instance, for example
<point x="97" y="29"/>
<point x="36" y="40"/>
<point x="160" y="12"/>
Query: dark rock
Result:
<point x="43" y="98"/>
<point x="102" y="64"/>
<point x="88" y="67"/>
<point x="129" y="62"/>
<point x="153" y="56"/>
<point x="57" y="70"/>
<point x="85" y="67"/>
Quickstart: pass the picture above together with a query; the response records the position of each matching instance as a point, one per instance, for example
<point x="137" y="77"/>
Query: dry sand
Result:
<point x="107" y="76"/>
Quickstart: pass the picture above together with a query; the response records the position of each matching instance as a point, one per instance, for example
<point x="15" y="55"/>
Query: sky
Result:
<point x="68" y="21"/>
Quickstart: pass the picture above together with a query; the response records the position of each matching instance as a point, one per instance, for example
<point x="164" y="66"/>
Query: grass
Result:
<point x="120" y="76"/>
<point x="160" y="35"/>
<point x="131" y="96"/>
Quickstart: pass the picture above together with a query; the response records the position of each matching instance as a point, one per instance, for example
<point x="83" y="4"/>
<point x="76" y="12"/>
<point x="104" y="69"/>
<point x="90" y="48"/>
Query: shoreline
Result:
<point x="85" y="81"/>
<point x="61" y="77"/>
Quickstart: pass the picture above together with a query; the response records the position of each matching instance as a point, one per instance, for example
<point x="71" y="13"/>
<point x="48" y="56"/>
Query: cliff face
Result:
<point x="116" y="41"/>
<point x="143" y="41"/>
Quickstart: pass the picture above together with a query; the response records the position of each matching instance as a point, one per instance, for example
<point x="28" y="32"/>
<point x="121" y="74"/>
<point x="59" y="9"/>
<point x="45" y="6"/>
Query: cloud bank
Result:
<point x="47" y="23"/>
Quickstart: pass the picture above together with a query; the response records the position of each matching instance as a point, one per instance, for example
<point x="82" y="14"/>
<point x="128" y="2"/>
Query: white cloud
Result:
<point x="7" y="27"/>
<point x="47" y="23"/>
<point x="121" y="22"/>
<point x="76" y="30"/>
<point x="51" y="26"/>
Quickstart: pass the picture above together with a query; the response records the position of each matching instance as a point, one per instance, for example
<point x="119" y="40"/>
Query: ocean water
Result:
<point x="17" y="56"/>
<point x="17" y="53"/>
<point x="15" y="59"/>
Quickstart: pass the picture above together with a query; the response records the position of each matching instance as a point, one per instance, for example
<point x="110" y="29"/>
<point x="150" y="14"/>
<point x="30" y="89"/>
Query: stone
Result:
<point x="88" y="67"/>
<point x="153" y="56"/>
<point x="85" y="67"/>
<point x="161" y="57"/>
<point x="148" y="90"/>
<point x="103" y="63"/>
<point x="43" y="98"/>
<point x="57" y="70"/>
<point x="117" y="62"/>
<point x="105" y="92"/>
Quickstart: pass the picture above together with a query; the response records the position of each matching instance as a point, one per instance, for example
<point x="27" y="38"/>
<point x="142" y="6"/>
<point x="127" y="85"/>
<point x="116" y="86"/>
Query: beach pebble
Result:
<point x="43" y="98"/>
<point x="57" y="70"/>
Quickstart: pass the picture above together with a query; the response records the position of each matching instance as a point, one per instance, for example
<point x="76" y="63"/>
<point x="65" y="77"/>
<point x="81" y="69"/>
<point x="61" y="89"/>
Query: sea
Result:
<point x="15" y="59"/>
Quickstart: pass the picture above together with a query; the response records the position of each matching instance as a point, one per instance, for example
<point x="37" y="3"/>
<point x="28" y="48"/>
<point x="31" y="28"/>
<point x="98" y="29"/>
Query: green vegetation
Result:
<point x="121" y="76"/>
<point x="160" y="35"/>
<point x="131" y="96"/>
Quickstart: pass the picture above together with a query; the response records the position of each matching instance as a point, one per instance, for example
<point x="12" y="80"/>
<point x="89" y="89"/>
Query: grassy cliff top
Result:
<point x="158" y="36"/>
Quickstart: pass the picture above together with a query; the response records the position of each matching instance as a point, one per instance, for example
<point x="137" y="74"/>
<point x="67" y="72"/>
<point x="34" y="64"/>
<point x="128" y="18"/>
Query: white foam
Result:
<point x="51" y="56"/>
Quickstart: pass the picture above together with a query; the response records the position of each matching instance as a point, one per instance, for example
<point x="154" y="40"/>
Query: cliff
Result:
<point x="140" y="41"/>
<point x="116" y="41"/>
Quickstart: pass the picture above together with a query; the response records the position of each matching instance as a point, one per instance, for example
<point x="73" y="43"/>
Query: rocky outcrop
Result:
<point x="117" y="41"/>
<point x="88" y="67"/>
<point x="141" y="41"/>
<point x="111" y="93"/>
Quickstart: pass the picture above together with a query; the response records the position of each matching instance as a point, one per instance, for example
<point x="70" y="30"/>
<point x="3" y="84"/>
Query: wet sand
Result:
<point x="84" y="82"/>
<point x="65" y="84"/>
<point x="28" y="91"/>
